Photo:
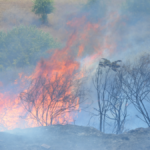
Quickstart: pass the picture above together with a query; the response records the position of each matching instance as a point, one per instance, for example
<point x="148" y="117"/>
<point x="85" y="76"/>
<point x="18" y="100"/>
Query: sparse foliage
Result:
<point x="101" y="83"/>
<point x="118" y="103"/>
<point x="136" y="86"/>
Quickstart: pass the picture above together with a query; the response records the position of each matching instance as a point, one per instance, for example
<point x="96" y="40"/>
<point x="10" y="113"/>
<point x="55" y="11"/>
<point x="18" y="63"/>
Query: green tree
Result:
<point x="24" y="46"/>
<point x="42" y="8"/>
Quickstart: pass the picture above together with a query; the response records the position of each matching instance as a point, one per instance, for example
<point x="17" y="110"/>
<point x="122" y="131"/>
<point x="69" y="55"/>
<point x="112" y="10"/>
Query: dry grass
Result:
<point x="12" y="11"/>
<point x="5" y="5"/>
<point x="18" y="12"/>
<point x="26" y="5"/>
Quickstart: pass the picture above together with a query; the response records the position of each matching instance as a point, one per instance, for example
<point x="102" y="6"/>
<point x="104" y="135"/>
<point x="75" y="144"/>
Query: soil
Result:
<point x="72" y="137"/>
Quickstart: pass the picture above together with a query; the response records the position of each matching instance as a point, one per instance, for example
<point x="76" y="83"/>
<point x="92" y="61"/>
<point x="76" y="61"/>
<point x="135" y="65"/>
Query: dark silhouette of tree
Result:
<point x="101" y="83"/>
<point x="136" y="85"/>
<point x="118" y="103"/>
<point x="47" y="101"/>
<point x="42" y="8"/>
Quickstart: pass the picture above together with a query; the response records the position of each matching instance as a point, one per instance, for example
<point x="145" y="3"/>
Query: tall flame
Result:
<point x="41" y="104"/>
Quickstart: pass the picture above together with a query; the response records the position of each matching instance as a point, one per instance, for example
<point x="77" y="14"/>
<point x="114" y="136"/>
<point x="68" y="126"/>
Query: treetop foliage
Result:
<point x="43" y="7"/>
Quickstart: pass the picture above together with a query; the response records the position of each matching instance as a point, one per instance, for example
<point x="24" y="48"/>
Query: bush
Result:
<point x="42" y="8"/>
<point x="23" y="46"/>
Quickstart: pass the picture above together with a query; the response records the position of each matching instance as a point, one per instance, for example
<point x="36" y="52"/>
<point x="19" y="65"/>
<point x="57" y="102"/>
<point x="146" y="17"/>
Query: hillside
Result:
<point x="72" y="137"/>
<point x="14" y="13"/>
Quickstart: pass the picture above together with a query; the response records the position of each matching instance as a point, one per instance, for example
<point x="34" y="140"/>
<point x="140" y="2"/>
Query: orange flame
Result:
<point x="81" y="49"/>
<point x="57" y="71"/>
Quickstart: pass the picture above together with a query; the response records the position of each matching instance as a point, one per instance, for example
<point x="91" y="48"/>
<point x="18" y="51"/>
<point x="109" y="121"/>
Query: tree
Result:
<point x="136" y="85"/>
<point x="101" y="81"/>
<point x="49" y="98"/>
<point x="42" y="8"/>
<point x="118" y="103"/>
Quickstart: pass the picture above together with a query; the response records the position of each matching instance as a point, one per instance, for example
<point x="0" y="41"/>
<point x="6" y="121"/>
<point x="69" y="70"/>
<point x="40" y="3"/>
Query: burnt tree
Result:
<point x="136" y="85"/>
<point x="101" y="83"/>
<point x="119" y="103"/>
<point x="48" y="100"/>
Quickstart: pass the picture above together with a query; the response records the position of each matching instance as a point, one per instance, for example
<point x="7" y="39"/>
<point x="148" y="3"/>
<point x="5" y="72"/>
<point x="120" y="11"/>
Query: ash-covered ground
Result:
<point x="72" y="137"/>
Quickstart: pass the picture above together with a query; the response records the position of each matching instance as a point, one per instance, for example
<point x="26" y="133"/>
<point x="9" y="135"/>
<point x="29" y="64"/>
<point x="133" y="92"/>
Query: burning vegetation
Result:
<point x="55" y="91"/>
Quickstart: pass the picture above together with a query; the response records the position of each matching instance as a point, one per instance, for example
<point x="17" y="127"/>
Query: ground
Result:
<point x="72" y="137"/>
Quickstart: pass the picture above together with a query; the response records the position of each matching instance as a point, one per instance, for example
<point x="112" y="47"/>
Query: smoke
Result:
<point x="120" y="34"/>
<point x="101" y="29"/>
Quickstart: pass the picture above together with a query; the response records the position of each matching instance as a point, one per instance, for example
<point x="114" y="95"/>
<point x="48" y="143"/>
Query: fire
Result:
<point x="81" y="49"/>
<point x="50" y="98"/>
<point x="9" y="112"/>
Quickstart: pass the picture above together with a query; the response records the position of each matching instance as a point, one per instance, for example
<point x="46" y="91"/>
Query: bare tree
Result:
<point x="101" y="81"/>
<point x="48" y="100"/>
<point x="118" y="103"/>
<point x="136" y="85"/>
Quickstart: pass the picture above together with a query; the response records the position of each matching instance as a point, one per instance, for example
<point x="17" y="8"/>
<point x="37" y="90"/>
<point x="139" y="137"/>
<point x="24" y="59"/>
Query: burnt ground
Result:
<point x="72" y="137"/>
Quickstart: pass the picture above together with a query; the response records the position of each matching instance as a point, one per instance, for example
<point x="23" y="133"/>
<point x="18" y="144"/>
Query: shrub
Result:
<point x="23" y="46"/>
